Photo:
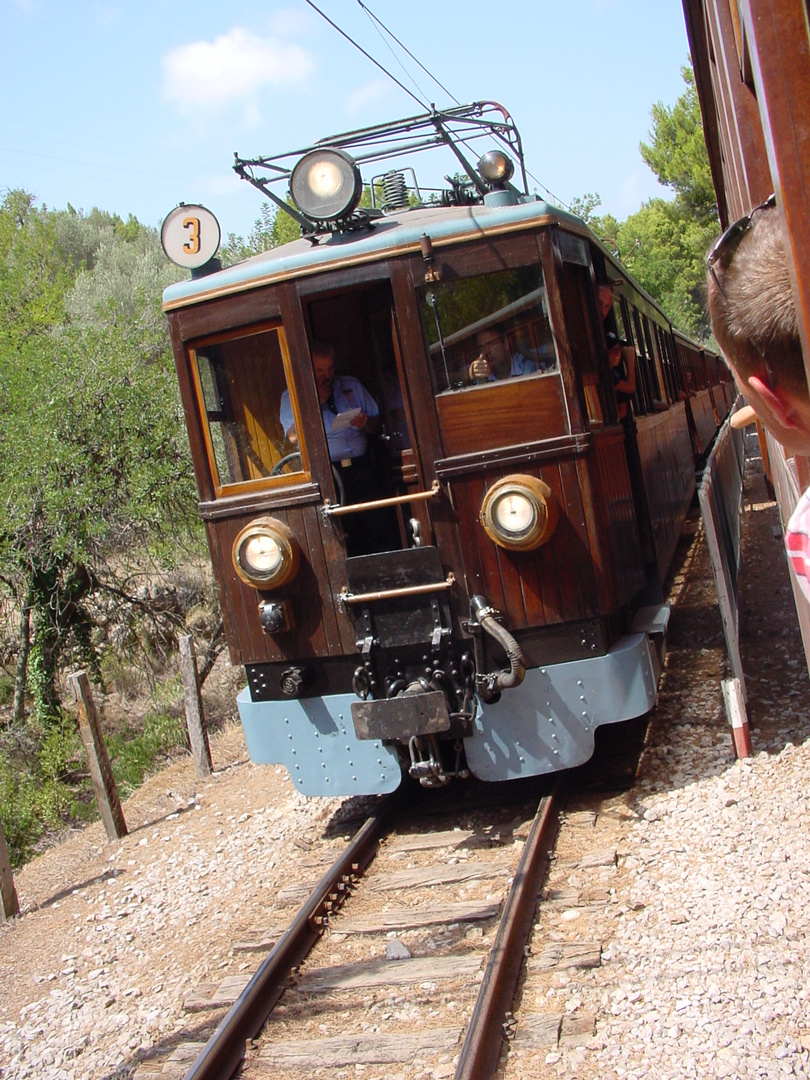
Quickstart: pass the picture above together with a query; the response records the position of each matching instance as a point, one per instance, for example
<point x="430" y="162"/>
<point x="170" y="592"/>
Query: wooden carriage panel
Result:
<point x="481" y="564"/>
<point x="704" y="417"/>
<point x="484" y="419"/>
<point x="622" y="563"/>
<point x="566" y="595"/>
<point x="669" y="477"/>
<point x="320" y="628"/>
<point x="239" y="603"/>
<point x="194" y="428"/>
<point x="556" y="582"/>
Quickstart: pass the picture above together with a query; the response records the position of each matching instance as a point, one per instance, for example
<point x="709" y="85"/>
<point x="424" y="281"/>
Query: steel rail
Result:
<point x="224" y="1051"/>
<point x="484" y="1038"/>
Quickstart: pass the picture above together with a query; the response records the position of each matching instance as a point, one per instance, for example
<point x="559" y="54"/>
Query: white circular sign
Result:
<point x="190" y="235"/>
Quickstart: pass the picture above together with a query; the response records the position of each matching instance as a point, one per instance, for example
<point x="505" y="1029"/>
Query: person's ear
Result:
<point x="777" y="401"/>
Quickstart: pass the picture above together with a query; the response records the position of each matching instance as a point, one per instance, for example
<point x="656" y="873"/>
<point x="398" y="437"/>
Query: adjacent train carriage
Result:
<point x="489" y="593"/>
<point x="752" y="72"/>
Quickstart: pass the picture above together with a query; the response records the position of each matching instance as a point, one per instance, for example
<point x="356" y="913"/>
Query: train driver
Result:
<point x="340" y="396"/>
<point x="754" y="319"/>
<point x="350" y="414"/>
<point x="495" y="361"/>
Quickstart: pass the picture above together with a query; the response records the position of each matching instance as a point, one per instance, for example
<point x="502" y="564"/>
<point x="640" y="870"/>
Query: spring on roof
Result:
<point x="395" y="191"/>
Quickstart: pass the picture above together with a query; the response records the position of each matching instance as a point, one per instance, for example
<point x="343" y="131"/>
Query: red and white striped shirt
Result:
<point x="797" y="541"/>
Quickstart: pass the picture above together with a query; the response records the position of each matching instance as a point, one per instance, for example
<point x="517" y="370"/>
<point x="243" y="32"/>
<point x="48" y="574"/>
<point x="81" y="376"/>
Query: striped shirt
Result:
<point x="797" y="541"/>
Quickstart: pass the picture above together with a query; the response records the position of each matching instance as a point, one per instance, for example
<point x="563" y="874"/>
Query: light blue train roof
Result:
<point x="388" y="236"/>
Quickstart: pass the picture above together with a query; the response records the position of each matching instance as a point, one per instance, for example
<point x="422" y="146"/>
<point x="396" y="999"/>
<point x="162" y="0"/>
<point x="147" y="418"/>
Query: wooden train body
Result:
<point x="501" y="597"/>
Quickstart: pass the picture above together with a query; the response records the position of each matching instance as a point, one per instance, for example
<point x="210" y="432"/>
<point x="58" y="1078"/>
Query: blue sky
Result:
<point x="134" y="107"/>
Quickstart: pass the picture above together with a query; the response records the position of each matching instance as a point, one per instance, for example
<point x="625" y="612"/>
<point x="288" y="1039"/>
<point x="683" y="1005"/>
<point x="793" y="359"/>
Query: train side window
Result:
<point x="485" y="329"/>
<point x="240" y="380"/>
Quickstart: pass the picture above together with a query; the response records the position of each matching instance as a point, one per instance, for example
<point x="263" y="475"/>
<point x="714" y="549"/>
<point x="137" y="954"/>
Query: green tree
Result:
<point x="272" y="228"/>
<point x="94" y="451"/>
<point x="677" y="153"/>
<point x="664" y="243"/>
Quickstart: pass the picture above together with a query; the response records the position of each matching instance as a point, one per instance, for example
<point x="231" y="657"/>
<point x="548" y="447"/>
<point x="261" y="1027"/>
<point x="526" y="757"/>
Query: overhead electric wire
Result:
<point x="385" y="71"/>
<point x="406" y="73"/>
<point x="368" y="56"/>
<point x="429" y="74"/>
<point x="557" y="200"/>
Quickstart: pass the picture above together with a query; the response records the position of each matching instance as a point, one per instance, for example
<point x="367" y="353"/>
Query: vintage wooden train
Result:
<point x="470" y="580"/>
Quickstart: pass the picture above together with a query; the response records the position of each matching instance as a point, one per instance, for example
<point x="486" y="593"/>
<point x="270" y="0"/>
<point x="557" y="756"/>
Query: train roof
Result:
<point x="388" y="236"/>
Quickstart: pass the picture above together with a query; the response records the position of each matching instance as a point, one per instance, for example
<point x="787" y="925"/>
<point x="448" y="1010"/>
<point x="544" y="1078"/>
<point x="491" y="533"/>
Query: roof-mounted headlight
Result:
<point x="266" y="554"/>
<point x="519" y="513"/>
<point x="496" y="167"/>
<point x="326" y="185"/>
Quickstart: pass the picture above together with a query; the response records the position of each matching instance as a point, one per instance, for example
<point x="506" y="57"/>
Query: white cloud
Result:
<point x="230" y="69"/>
<point x="366" y="95"/>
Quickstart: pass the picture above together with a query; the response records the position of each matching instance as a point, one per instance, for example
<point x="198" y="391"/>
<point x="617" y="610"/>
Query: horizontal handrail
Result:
<point x="335" y="509"/>
<point x="346" y="597"/>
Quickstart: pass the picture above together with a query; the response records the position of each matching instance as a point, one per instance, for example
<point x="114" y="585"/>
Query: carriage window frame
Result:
<point x="503" y="321"/>
<point x="262" y="483"/>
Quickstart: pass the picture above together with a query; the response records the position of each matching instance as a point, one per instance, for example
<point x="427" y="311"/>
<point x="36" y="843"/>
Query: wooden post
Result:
<point x="9" y="905"/>
<point x="195" y="717"/>
<point x="109" y="805"/>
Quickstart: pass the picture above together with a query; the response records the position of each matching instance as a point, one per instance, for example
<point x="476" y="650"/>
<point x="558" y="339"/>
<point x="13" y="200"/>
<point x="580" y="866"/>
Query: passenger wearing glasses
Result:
<point x="754" y="320"/>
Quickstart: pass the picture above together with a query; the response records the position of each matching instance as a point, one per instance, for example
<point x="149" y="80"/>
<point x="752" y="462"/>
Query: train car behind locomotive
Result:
<point x="437" y="546"/>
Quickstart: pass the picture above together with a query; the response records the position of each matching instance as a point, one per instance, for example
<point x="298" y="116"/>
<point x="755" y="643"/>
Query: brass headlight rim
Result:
<point x="284" y="537"/>
<point x="541" y="497"/>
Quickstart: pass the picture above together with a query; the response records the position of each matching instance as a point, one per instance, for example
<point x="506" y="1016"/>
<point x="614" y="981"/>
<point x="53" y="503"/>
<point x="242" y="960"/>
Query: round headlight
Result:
<point x="326" y="185"/>
<point x="519" y="513"/>
<point x="266" y="554"/>
<point x="496" y="167"/>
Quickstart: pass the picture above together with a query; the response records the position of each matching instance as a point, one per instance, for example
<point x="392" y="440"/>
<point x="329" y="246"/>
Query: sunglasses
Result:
<point x="726" y="244"/>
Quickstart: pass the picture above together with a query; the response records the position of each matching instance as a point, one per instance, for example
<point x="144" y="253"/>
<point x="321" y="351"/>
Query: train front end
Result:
<point x="471" y="594"/>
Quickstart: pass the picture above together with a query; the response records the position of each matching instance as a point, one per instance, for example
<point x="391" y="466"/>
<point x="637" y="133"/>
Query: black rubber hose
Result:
<point x="503" y="680"/>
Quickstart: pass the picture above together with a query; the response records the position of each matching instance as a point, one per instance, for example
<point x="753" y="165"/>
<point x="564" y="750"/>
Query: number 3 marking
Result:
<point x="192" y="245"/>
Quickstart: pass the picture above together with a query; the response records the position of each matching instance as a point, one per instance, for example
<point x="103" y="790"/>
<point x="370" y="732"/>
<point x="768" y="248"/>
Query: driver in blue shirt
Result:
<point x="337" y="394"/>
<point x="377" y="529"/>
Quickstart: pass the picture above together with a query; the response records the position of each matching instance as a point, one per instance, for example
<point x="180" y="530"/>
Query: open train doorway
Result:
<point x="354" y="348"/>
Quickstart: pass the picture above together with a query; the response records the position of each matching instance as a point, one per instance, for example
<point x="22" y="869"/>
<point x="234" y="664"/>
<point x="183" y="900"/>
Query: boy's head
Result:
<point x="754" y="320"/>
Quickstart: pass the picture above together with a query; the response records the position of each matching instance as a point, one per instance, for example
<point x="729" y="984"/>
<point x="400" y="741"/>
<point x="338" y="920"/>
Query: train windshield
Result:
<point x="242" y="390"/>
<point x="485" y="329"/>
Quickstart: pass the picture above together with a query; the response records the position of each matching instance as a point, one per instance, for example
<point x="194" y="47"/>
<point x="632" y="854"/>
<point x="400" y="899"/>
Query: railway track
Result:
<point x="417" y="973"/>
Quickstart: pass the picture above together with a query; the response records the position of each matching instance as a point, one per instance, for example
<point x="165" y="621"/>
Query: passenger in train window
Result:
<point x="604" y="296"/>
<point x="754" y="320"/>
<point x="495" y="360"/>
<point x="622" y="359"/>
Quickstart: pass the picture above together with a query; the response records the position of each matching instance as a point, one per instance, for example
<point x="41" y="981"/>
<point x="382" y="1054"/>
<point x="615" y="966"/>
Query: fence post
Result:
<point x="737" y="717"/>
<point x="109" y="805"/>
<point x="9" y="905"/>
<point x="195" y="718"/>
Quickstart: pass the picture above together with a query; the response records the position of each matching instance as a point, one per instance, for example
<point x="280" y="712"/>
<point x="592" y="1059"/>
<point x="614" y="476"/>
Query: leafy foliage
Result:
<point x="271" y="229"/>
<point x="664" y="244"/>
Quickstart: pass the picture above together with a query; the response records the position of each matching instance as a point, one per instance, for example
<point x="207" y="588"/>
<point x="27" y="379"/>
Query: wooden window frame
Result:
<point x="263" y="483"/>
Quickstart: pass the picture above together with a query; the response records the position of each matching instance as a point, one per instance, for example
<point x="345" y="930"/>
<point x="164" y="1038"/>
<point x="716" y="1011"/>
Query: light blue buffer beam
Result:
<point x="544" y="725"/>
